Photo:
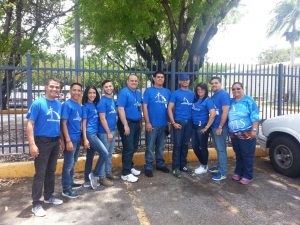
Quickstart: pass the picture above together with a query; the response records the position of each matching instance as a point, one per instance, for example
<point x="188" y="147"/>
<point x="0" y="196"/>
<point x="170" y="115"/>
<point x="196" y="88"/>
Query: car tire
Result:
<point x="285" y="156"/>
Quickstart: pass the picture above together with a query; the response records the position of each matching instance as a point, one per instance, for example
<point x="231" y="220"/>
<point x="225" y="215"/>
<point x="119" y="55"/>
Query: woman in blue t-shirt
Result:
<point x="203" y="115"/>
<point x="91" y="141"/>
<point x="243" y="120"/>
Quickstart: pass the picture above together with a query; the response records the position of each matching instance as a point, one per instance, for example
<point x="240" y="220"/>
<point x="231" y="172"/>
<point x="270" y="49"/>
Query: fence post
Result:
<point x="173" y="74"/>
<point x="280" y="89"/>
<point x="29" y="80"/>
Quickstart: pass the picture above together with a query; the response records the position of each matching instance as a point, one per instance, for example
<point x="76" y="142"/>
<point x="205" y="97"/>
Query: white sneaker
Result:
<point x="54" y="201"/>
<point x="130" y="178"/>
<point x="201" y="169"/>
<point x="38" y="211"/>
<point x="93" y="181"/>
<point x="135" y="172"/>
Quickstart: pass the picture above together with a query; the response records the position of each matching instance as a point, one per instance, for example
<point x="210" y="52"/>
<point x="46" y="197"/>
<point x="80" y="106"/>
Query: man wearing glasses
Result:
<point x="219" y="131"/>
<point x="129" y="126"/>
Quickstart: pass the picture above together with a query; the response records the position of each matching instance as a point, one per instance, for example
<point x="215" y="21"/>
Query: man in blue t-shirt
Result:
<point x="129" y="125"/>
<point x="180" y="114"/>
<point x="106" y="108"/>
<point x="71" y="128"/>
<point x="43" y="134"/>
<point x="219" y="131"/>
<point x="155" y="108"/>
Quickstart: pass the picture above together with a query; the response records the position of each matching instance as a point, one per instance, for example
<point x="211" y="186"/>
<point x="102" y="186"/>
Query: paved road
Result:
<point x="163" y="199"/>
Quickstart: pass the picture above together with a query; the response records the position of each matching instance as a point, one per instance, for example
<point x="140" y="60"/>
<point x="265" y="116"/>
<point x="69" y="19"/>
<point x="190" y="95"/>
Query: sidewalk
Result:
<point x="164" y="199"/>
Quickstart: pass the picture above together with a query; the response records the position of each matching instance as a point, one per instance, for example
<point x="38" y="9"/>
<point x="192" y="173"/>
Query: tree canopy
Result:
<point x="287" y="21"/>
<point x="159" y="30"/>
<point x="24" y="27"/>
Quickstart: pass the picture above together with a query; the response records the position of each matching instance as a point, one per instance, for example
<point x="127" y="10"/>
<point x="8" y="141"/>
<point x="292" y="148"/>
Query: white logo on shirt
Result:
<point x="78" y="118"/>
<point x="112" y="109"/>
<point x="54" y="116"/>
<point x="96" y="114"/>
<point x="186" y="102"/>
<point x="161" y="99"/>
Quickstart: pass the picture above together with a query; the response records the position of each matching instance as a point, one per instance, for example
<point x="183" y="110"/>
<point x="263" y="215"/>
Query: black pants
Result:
<point x="129" y="143"/>
<point x="45" y="166"/>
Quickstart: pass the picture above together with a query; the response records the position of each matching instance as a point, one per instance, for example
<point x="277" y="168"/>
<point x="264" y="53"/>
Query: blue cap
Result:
<point x="184" y="76"/>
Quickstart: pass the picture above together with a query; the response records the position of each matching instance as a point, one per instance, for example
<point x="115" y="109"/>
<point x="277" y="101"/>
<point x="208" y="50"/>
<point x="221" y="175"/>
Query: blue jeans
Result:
<point x="221" y="147"/>
<point x="155" y="139"/>
<point x="181" y="138"/>
<point x="95" y="146"/>
<point x="70" y="159"/>
<point x="244" y="151"/>
<point x="199" y="142"/>
<point x="130" y="144"/>
<point x="110" y="149"/>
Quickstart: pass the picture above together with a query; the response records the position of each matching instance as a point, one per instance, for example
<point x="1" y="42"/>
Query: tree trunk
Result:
<point x="292" y="55"/>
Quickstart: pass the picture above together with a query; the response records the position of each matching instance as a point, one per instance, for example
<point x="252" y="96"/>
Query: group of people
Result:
<point x="187" y="114"/>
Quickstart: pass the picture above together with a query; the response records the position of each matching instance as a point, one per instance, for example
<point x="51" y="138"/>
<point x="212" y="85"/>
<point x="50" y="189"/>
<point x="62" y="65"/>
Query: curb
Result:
<point x="26" y="169"/>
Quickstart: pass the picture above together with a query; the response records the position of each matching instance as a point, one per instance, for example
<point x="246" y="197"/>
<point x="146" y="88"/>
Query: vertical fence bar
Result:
<point x="280" y="88"/>
<point x="173" y="74"/>
<point x="29" y="80"/>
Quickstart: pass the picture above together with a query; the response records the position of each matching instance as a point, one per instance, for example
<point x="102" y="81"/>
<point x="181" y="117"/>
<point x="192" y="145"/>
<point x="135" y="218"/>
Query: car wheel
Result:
<point x="285" y="156"/>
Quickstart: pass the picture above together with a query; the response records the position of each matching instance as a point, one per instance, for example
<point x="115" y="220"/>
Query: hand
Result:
<point x="34" y="151"/>
<point x="69" y="146"/>
<point x="218" y="131"/>
<point x="127" y="130"/>
<point x="86" y="144"/>
<point x="149" y="127"/>
<point x="204" y="130"/>
<point x="110" y="137"/>
<point x="253" y="134"/>
<point x="177" y="126"/>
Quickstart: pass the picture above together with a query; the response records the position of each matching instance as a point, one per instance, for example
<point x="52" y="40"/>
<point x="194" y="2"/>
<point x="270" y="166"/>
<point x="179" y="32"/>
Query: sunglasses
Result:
<point x="236" y="89"/>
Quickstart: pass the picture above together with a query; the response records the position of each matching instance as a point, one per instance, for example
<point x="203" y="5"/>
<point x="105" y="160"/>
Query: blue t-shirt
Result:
<point x="46" y="116"/>
<point x="157" y="100"/>
<point x="89" y="112"/>
<point x="242" y="114"/>
<point x="200" y="111"/>
<point x="132" y="102"/>
<point x="183" y="103"/>
<point x="220" y="99"/>
<point x="72" y="112"/>
<point x="107" y="105"/>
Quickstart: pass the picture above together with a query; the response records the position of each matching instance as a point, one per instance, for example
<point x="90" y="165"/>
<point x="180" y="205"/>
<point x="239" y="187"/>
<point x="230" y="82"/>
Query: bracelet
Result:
<point x="254" y="129"/>
<point x="220" y="126"/>
<point x="173" y="123"/>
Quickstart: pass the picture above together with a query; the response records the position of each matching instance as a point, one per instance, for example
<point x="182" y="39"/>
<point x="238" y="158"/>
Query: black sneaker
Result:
<point x="149" y="173"/>
<point x="163" y="169"/>
<point x="76" y="186"/>
<point x="188" y="170"/>
<point x="69" y="193"/>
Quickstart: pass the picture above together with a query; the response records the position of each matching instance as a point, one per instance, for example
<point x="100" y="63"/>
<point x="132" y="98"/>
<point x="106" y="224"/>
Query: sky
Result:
<point x="242" y="42"/>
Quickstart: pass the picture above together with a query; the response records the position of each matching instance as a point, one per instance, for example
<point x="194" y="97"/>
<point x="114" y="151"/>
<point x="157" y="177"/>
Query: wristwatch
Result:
<point x="220" y="126"/>
<point x="254" y="129"/>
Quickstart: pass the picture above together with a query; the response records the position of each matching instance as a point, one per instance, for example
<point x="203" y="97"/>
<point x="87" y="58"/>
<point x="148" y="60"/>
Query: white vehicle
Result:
<point x="281" y="135"/>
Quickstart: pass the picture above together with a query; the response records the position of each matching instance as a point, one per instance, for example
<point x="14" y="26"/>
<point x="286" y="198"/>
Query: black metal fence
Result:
<point x="22" y="78"/>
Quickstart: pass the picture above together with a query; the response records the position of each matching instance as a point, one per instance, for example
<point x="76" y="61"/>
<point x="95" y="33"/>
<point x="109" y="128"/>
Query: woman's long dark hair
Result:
<point x="202" y="86"/>
<point x="85" y="97"/>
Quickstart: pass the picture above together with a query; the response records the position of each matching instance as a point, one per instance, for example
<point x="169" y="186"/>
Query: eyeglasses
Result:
<point x="236" y="89"/>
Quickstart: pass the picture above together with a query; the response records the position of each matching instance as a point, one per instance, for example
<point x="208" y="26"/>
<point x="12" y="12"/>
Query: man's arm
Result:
<point x="65" y="132"/>
<point x="171" y="116"/>
<point x="34" y="151"/>
<point x="105" y="126"/>
<point x="146" y="117"/>
<point x="122" y="117"/>
<point x="224" y="115"/>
